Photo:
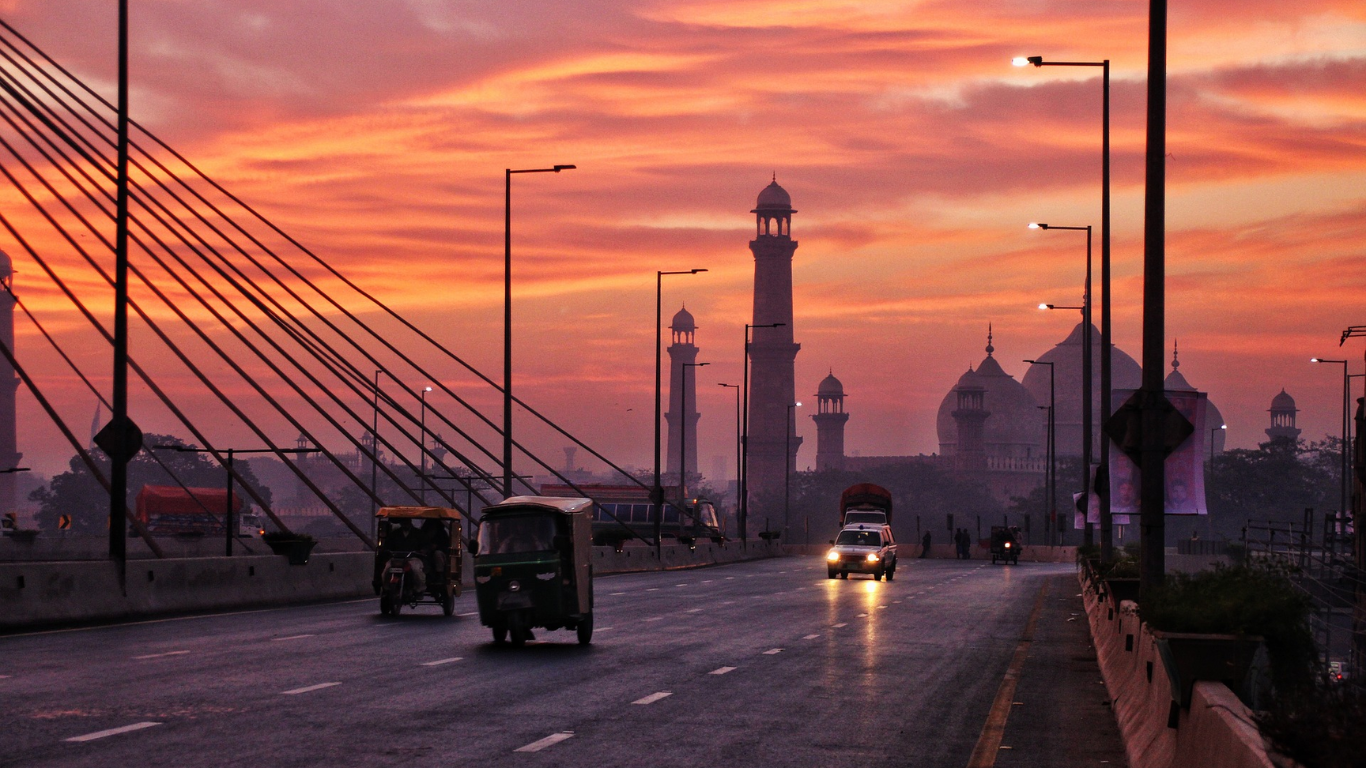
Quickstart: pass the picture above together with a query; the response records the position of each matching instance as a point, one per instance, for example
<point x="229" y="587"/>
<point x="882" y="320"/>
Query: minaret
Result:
<point x="9" y="383"/>
<point x="772" y="353"/>
<point x="830" y="418"/>
<point x="971" y="416"/>
<point x="1283" y="412"/>
<point x="682" y="380"/>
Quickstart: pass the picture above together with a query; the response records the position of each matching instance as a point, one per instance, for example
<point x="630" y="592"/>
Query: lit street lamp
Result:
<point x="422" y="446"/>
<point x="1052" y="506"/>
<point x="1346" y="382"/>
<point x="507" y="316"/>
<point x="657" y="492"/>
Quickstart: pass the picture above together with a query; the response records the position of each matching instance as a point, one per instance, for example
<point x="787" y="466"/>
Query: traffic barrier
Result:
<point x="1217" y="730"/>
<point x="636" y="557"/>
<point x="33" y="593"/>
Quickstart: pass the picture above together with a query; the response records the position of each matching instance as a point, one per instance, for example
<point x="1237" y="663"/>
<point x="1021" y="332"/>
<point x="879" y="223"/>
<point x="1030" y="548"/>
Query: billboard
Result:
<point x="1184" y="468"/>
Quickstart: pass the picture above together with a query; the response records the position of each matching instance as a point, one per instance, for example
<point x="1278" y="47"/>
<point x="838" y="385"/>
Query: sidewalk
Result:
<point x="1062" y="717"/>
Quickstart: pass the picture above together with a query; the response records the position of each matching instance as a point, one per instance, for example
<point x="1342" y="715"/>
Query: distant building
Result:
<point x="830" y="419"/>
<point x="1175" y="382"/>
<point x="682" y="416"/>
<point x="1283" y="412"/>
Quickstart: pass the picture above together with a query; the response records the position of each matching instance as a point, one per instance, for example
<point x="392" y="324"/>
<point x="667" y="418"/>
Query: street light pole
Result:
<point x="1049" y="482"/>
<point x="657" y="492"/>
<point x="744" y="440"/>
<point x="1086" y="397"/>
<point x="683" y="434"/>
<point x="736" y="387"/>
<point x="422" y="447"/>
<point x="507" y="316"/>
<point x="1346" y="383"/>
<point x="787" y="470"/>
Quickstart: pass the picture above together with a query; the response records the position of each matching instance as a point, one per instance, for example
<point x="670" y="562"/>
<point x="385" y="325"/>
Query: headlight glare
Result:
<point x="832" y="556"/>
<point x="872" y="557"/>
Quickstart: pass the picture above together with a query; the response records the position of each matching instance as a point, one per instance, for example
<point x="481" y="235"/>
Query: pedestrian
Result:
<point x="964" y="543"/>
<point x="925" y="545"/>
<point x="958" y="543"/>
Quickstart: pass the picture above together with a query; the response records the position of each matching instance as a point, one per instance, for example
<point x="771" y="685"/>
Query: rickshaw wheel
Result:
<point x="585" y="630"/>
<point x="448" y="603"/>
<point x="384" y="605"/>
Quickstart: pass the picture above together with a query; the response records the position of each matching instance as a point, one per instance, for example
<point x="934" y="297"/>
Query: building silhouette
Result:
<point x="830" y="419"/>
<point x="1283" y="412"/>
<point x="682" y="387"/>
<point x="1175" y="382"/>
<point x="773" y="444"/>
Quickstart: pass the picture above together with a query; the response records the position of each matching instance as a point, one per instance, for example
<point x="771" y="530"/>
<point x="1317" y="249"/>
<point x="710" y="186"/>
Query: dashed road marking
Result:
<point x="680" y="585"/>
<point x="291" y="637"/>
<point x="157" y="655"/>
<point x="861" y="616"/>
<point x="439" y="662"/>
<point x="112" y="732"/>
<point x="773" y="651"/>
<point x="811" y="637"/>
<point x="708" y="581"/>
<point x="549" y="741"/>
<point x="652" y="698"/>
<point x="615" y="594"/>
<point x="308" y="689"/>
<point x="841" y="624"/>
<point x="601" y="629"/>
<point x="652" y="589"/>
<point x="655" y="618"/>
<point x="471" y="613"/>
<point x="721" y="670"/>
<point x="693" y="610"/>
<point x="730" y="578"/>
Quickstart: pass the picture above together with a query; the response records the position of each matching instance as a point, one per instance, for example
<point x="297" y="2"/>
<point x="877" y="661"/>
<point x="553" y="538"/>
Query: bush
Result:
<point x="1318" y="726"/>
<point x="1241" y="601"/>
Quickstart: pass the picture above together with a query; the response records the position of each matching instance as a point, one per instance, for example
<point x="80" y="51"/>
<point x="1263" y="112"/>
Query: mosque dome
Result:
<point x="830" y="387"/>
<point x="1176" y="382"/>
<point x="1066" y="356"/>
<point x="683" y="322"/>
<point x="1015" y="427"/>
<point x="1283" y="402"/>
<point x="773" y="198"/>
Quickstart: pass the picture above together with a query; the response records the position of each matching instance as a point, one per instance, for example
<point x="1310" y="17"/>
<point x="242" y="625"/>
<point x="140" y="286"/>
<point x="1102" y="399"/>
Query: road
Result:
<point x="765" y="663"/>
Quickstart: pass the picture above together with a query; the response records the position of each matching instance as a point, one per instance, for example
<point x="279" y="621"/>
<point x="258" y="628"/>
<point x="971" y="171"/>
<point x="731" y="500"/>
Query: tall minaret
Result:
<point x="682" y="381"/>
<point x="9" y="383"/>
<point x="1283" y="410"/>
<point x="772" y="424"/>
<point x="830" y="418"/>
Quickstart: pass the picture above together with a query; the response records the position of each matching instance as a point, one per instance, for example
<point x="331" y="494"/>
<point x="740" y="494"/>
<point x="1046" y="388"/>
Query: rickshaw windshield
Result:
<point x="516" y="534"/>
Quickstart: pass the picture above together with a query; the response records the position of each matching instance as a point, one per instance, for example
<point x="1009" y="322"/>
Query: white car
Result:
<point x="863" y="548"/>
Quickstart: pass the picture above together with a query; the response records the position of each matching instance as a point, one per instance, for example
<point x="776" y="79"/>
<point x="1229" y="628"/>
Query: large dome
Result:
<point x="773" y="198"/>
<point x="1125" y="373"/>
<point x="1175" y="382"/>
<point x="1015" y="428"/>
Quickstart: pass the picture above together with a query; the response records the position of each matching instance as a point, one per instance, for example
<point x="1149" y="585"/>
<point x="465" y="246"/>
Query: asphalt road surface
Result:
<point x="754" y="664"/>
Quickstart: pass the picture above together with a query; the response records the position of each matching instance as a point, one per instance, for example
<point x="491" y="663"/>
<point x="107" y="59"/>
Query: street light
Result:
<point x="743" y="518"/>
<point x="1209" y="521"/>
<point x="736" y="387"/>
<point x="227" y="518"/>
<point x="1346" y="382"/>
<point x="1086" y="405"/>
<point x="1106" y="382"/>
<point x="507" y="316"/>
<point x="683" y="434"/>
<point x="1049" y="482"/>
<point x="422" y="446"/>
<point x="787" y="468"/>
<point x="657" y="492"/>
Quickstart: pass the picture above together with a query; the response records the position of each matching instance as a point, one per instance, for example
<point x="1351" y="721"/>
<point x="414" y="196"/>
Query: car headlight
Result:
<point x="872" y="557"/>
<point x="1007" y="545"/>
<point x="832" y="556"/>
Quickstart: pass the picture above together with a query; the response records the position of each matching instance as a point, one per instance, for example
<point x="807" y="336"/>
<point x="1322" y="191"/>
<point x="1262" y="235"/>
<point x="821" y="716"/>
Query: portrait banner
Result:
<point x="1184" y="468"/>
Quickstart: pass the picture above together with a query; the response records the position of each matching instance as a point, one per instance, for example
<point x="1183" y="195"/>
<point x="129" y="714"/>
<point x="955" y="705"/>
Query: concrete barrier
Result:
<point x="38" y="593"/>
<point x="636" y="557"/>
<point x="1216" y="732"/>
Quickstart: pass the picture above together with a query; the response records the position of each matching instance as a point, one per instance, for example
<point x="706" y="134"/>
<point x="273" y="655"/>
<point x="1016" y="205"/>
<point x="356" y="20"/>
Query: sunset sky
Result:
<point x="915" y="154"/>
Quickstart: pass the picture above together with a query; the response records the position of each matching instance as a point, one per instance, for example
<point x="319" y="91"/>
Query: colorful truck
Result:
<point x="865" y="503"/>
<point x="167" y="510"/>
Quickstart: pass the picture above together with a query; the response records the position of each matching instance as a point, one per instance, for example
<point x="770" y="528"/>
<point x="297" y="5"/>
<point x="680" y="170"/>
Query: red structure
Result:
<point x="167" y="509"/>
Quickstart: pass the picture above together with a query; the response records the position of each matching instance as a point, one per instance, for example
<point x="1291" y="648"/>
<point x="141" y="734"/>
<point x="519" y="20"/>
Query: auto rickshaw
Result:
<point x="1005" y="545"/>
<point x="419" y="554"/>
<point x="532" y="567"/>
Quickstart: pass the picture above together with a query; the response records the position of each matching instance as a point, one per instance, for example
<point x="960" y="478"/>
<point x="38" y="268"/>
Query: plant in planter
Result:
<point x="296" y="546"/>
<point x="1318" y="726"/>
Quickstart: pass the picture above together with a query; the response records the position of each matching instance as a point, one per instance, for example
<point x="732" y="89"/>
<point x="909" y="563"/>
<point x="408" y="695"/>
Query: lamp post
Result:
<point x="657" y="492"/>
<point x="787" y="469"/>
<point x="1049" y="482"/>
<point x="1106" y="382"/>
<point x="422" y="446"/>
<point x="736" y="387"/>
<point x="507" y="315"/>
<point x="1346" y="382"/>
<point x="744" y="440"/>
<point x="228" y="522"/>
<point x="683" y="435"/>
<point x="1209" y="521"/>
<point x="1086" y="405"/>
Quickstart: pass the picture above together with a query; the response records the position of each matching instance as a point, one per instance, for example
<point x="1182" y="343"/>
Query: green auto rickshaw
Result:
<point x="532" y="567"/>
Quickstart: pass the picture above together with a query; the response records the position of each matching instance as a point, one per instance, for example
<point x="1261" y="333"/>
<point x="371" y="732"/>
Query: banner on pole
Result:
<point x="1184" y="468"/>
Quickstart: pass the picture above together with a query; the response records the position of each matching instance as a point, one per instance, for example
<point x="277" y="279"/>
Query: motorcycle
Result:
<point x="404" y="582"/>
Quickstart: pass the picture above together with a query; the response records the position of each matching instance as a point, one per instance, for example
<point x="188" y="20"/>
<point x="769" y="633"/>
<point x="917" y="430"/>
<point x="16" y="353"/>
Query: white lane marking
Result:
<point x="291" y="637"/>
<point x="884" y="605"/>
<point x="471" y="613"/>
<point x="3" y="677"/>
<point x="694" y="610"/>
<point x="721" y="670"/>
<point x="896" y="602"/>
<point x="861" y="616"/>
<point x="729" y="578"/>
<point x="655" y="618"/>
<point x="842" y="624"/>
<point x="811" y="637"/>
<point x="708" y="581"/>
<point x="308" y="689"/>
<point x="601" y="629"/>
<point x="727" y="602"/>
<point x="112" y="732"/>
<point x="549" y="741"/>
<point x="159" y="655"/>
<point x="615" y="594"/>
<point x="773" y="651"/>
<point x="681" y="585"/>
<point x="652" y="589"/>
<point x="439" y="662"/>
<point x="652" y="698"/>
<point x="782" y="571"/>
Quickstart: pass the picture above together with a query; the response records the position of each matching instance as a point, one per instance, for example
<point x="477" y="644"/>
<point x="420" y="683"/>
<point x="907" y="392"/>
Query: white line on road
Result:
<point x="291" y="637"/>
<point x="811" y="637"/>
<point x="549" y="741"/>
<point x="729" y="578"/>
<point x="694" y="610"/>
<point x="3" y="677"/>
<point x="112" y="732"/>
<point x="708" y="581"/>
<point x="308" y="689"/>
<point x="471" y="613"/>
<point x="680" y="585"/>
<point x="159" y="655"/>
<point x="652" y="698"/>
<point x="439" y="662"/>
<point x="861" y="616"/>
<point x="773" y="651"/>
<point x="721" y="670"/>
<point x="652" y="589"/>
<point x="842" y="624"/>
<point x="615" y="594"/>
<point x="601" y="629"/>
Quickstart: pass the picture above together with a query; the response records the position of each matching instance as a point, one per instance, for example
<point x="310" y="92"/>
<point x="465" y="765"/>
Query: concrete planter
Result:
<point x="1189" y="657"/>
<point x="297" y="550"/>
<point x="1120" y="590"/>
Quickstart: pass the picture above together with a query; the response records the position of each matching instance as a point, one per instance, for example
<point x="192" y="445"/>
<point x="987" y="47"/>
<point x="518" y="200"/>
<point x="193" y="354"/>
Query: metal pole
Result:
<point x="1346" y="384"/>
<point x="657" y="492"/>
<point x="507" y="332"/>
<point x="422" y="447"/>
<point x="118" y="481"/>
<point x="374" y="460"/>
<point x="787" y="471"/>
<point x="1152" y="566"/>
<point x="227" y="518"/>
<point x="1086" y="399"/>
<point x="1107" y="541"/>
<point x="742" y="486"/>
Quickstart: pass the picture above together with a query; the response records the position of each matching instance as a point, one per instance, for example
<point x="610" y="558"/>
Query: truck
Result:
<point x="865" y="503"/>
<point x="168" y="510"/>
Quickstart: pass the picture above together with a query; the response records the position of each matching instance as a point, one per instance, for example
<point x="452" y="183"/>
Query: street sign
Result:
<point x="107" y="440"/>
<point x="64" y="522"/>
<point x="1125" y="427"/>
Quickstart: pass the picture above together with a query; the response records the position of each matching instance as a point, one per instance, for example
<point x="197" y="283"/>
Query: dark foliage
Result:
<point x="1276" y="481"/>
<point x="1318" y="726"/>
